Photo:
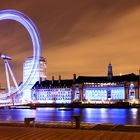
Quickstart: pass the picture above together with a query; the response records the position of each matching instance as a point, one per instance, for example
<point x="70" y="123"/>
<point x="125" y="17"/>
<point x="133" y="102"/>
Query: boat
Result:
<point x="22" y="107"/>
<point x="65" y="109"/>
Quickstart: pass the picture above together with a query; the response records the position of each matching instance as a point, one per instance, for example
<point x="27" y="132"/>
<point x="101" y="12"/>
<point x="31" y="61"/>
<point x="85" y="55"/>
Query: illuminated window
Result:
<point x="131" y="91"/>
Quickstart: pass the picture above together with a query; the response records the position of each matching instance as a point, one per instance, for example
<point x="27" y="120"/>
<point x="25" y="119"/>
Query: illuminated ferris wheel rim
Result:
<point x="32" y="30"/>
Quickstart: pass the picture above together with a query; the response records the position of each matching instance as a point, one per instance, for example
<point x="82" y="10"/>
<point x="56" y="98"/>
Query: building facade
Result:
<point x="54" y="91"/>
<point x="102" y="90"/>
<point x="89" y="89"/>
<point x="40" y="75"/>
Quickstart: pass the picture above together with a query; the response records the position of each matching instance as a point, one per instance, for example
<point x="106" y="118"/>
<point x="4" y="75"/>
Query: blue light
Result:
<point x="100" y="94"/>
<point x="31" y="28"/>
<point x="54" y="95"/>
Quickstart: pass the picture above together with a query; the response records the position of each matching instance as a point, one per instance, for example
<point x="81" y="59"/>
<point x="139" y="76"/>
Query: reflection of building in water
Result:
<point x="40" y="75"/>
<point x="88" y="89"/>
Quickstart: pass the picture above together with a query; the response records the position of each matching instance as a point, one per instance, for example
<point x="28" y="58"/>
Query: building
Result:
<point x="40" y="75"/>
<point x="103" y="90"/>
<point x="2" y="93"/>
<point x="53" y="91"/>
<point x="89" y="89"/>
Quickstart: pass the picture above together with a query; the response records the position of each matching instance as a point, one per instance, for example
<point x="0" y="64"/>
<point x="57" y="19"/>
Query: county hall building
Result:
<point x="88" y="89"/>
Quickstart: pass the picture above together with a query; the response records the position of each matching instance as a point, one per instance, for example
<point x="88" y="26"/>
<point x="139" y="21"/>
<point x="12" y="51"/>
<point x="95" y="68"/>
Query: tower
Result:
<point x="110" y="73"/>
<point x="40" y="75"/>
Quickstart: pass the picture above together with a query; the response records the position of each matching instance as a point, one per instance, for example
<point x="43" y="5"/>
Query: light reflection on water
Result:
<point x="90" y="115"/>
<point x="134" y="113"/>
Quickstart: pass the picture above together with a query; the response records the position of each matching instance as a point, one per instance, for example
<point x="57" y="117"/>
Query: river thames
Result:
<point x="88" y="115"/>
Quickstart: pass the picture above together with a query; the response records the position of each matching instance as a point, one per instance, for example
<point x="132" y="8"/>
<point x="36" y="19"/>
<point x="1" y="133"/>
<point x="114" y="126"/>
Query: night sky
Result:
<point x="78" y="36"/>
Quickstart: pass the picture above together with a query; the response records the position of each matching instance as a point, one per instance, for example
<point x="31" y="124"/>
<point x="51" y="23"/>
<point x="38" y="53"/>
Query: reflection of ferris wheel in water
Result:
<point x="31" y="28"/>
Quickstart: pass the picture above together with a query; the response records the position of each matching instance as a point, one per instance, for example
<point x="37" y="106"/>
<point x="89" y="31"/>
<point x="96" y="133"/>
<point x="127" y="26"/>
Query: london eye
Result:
<point x="33" y="32"/>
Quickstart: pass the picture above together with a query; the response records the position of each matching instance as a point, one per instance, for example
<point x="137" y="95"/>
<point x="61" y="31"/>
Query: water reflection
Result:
<point x="134" y="113"/>
<point x="90" y="115"/>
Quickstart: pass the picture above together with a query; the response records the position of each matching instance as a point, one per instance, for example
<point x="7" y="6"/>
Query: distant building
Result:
<point x="40" y="75"/>
<point x="89" y="89"/>
<point x="110" y="72"/>
<point x="53" y="91"/>
<point x="102" y="90"/>
<point x="2" y="93"/>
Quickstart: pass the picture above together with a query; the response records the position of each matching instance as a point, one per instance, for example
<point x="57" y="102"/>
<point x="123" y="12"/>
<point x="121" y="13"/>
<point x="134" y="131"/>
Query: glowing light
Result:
<point x="54" y="95"/>
<point x="134" y="112"/>
<point x="31" y="28"/>
<point x="100" y="94"/>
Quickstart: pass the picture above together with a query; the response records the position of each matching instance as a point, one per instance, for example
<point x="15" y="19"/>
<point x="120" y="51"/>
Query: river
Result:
<point x="90" y="115"/>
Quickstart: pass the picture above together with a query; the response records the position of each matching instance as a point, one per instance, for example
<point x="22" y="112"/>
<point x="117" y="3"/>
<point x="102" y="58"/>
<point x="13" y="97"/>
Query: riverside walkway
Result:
<point x="28" y="133"/>
<point x="65" y="131"/>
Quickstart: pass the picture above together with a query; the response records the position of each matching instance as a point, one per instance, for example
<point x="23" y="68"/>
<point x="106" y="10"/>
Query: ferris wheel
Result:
<point x="32" y="30"/>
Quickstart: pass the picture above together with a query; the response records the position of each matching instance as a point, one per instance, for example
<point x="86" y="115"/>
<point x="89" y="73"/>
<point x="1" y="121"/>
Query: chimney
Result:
<point x="52" y="79"/>
<point x="59" y="79"/>
<point x="74" y="78"/>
